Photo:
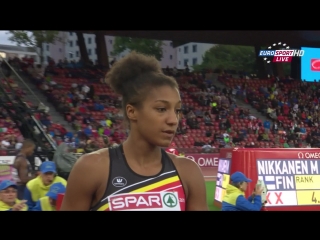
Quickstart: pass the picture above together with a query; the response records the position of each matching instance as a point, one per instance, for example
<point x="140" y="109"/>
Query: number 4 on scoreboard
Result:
<point x="314" y="199"/>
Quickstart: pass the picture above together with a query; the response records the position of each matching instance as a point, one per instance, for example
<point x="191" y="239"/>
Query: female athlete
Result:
<point x="139" y="174"/>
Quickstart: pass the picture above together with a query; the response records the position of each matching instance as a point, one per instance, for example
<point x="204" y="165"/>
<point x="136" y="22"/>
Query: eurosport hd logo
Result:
<point x="280" y="52"/>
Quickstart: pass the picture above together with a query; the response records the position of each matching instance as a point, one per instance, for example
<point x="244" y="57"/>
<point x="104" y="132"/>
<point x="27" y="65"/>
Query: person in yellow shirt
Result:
<point x="108" y="122"/>
<point x="48" y="203"/>
<point x="8" y="197"/>
<point x="235" y="199"/>
<point x="39" y="187"/>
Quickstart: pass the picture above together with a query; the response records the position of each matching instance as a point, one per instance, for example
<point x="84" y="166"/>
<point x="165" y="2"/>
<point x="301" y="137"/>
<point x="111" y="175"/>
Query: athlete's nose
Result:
<point x="172" y="118"/>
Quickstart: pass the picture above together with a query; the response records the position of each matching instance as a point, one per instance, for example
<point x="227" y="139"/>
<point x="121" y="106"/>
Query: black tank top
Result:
<point x="129" y="191"/>
<point x="15" y="172"/>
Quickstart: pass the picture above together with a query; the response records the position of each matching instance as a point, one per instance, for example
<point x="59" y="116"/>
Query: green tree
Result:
<point x="145" y="46"/>
<point x="34" y="39"/>
<point x="239" y="58"/>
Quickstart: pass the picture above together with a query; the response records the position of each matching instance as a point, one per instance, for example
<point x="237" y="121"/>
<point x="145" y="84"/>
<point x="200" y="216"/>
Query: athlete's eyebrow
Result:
<point x="167" y="102"/>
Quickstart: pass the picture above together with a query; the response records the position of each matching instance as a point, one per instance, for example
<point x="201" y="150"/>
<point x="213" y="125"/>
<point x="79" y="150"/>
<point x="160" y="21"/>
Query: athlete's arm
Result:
<point x="192" y="177"/>
<point x="84" y="180"/>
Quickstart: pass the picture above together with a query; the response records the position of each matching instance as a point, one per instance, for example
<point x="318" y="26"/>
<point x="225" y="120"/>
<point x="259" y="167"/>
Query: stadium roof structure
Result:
<point x="16" y="48"/>
<point x="296" y="38"/>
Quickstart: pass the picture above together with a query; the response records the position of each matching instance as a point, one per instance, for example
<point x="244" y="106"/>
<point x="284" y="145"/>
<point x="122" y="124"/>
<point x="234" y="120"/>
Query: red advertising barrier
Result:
<point x="205" y="159"/>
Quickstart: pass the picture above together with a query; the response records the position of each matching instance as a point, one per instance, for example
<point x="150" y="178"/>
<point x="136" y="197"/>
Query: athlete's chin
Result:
<point x="164" y="143"/>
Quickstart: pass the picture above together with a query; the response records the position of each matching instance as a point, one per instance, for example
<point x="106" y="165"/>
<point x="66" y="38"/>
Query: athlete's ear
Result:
<point x="131" y="112"/>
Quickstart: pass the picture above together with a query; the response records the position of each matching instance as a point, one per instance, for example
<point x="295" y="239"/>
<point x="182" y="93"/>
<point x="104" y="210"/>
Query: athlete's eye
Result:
<point x="161" y="109"/>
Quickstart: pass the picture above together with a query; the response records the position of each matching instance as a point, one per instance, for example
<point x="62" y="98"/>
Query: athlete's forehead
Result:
<point x="164" y="95"/>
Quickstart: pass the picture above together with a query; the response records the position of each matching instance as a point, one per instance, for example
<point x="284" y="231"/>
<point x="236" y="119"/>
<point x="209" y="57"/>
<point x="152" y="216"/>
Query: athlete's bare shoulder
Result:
<point x="90" y="172"/>
<point x="99" y="155"/>
<point x="94" y="162"/>
<point x="183" y="163"/>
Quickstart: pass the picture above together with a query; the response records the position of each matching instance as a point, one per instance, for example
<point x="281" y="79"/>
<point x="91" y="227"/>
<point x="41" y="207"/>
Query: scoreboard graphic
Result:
<point x="293" y="182"/>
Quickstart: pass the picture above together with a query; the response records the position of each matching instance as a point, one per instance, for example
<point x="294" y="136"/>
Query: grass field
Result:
<point x="211" y="187"/>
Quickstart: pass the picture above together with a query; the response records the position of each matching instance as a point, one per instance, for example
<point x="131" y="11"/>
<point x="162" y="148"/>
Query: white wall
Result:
<point x="56" y="50"/>
<point x="72" y="51"/>
<point x="191" y="53"/>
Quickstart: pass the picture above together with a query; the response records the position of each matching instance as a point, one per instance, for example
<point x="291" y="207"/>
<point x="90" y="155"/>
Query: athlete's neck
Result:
<point x="140" y="151"/>
<point x="22" y="152"/>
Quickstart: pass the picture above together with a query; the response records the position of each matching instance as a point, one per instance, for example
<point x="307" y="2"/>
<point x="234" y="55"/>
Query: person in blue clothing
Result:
<point x="9" y="197"/>
<point x="48" y="203"/>
<point x="266" y="125"/>
<point x="87" y="131"/>
<point x="40" y="186"/>
<point x="235" y="200"/>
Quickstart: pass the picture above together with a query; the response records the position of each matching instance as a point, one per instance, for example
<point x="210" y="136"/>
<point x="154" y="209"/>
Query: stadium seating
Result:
<point x="65" y="77"/>
<point x="184" y="142"/>
<point x="9" y="132"/>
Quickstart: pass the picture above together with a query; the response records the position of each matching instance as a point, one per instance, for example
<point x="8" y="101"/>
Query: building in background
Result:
<point x="57" y="50"/>
<point x="191" y="54"/>
<point x="71" y="51"/>
<point x="9" y="51"/>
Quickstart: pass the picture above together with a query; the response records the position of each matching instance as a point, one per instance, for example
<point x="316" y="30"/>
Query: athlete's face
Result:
<point x="157" y="120"/>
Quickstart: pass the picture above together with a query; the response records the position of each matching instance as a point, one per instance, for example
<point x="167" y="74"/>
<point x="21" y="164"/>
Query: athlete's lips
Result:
<point x="169" y="131"/>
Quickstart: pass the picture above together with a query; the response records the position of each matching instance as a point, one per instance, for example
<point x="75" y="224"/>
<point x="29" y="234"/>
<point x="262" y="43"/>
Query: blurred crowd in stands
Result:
<point x="211" y="117"/>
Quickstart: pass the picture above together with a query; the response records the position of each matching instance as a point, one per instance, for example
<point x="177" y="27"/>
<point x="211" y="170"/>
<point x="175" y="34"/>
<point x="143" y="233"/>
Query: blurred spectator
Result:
<point x="22" y="172"/>
<point x="207" y="148"/>
<point x="8" y="197"/>
<point x="39" y="187"/>
<point x="48" y="203"/>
